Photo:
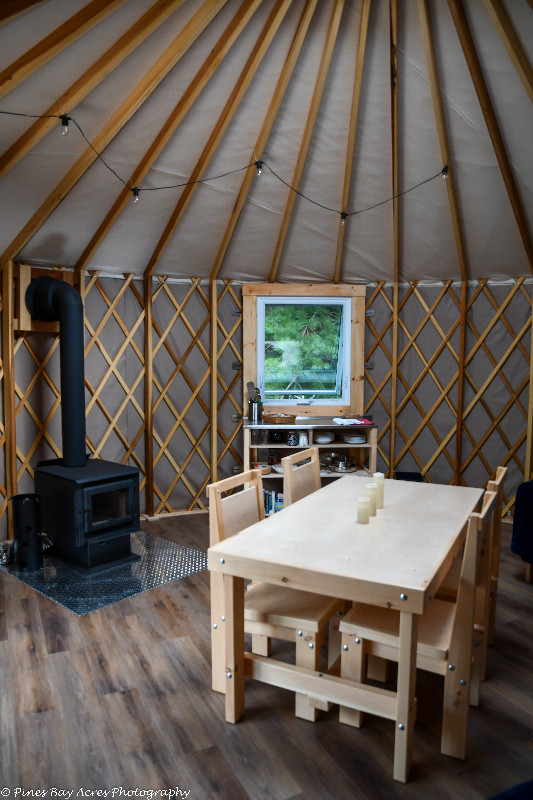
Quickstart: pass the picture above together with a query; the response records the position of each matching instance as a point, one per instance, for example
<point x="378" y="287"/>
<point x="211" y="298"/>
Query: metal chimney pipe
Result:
<point x="50" y="300"/>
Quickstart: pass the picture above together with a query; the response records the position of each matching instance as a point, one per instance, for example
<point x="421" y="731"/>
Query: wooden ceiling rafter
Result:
<point x="13" y="9"/>
<point x="440" y="121"/>
<point x="478" y="80"/>
<point x="246" y="76"/>
<point x="512" y="43"/>
<point x="320" y="83"/>
<point x="57" y="41"/>
<point x="82" y="87"/>
<point x="141" y="93"/>
<point x="393" y="17"/>
<point x="189" y="97"/>
<point x="266" y="130"/>
<point x="352" y="132"/>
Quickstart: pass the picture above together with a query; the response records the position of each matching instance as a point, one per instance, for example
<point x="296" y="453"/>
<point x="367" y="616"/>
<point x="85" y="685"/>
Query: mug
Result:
<point x="303" y="440"/>
<point x="292" y="439"/>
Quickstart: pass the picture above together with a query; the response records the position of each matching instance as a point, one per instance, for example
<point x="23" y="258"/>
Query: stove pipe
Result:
<point x="50" y="300"/>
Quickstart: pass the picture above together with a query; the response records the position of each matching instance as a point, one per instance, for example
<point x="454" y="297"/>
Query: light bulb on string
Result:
<point x="343" y="217"/>
<point x="445" y="173"/>
<point x="64" y="123"/>
<point x="135" y="191"/>
<point x="259" y="165"/>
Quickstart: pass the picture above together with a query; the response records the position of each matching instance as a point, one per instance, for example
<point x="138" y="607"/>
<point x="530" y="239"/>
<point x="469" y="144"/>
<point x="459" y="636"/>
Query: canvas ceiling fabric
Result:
<point x="303" y="150"/>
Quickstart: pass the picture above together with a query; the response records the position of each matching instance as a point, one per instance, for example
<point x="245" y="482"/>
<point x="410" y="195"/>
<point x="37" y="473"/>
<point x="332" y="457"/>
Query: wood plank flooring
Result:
<point x="121" y="699"/>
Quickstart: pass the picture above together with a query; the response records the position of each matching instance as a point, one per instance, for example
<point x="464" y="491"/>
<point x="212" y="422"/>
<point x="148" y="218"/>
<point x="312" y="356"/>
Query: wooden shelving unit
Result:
<point x="261" y="437"/>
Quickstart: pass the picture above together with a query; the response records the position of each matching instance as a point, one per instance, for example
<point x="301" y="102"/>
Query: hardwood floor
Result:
<point x="120" y="699"/>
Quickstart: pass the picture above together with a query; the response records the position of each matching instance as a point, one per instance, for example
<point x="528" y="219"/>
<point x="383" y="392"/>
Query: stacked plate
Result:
<point x="354" y="438"/>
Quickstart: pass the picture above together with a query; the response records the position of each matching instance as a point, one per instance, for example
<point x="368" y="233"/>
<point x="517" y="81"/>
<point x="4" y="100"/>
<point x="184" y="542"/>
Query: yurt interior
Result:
<point x="233" y="231"/>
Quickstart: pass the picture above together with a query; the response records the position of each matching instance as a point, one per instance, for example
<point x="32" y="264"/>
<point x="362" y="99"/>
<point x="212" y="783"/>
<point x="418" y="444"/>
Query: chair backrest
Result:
<point x="496" y="485"/>
<point x="231" y="513"/>
<point x="301" y="475"/>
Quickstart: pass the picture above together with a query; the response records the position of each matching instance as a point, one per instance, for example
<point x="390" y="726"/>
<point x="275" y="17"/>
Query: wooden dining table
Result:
<point x="396" y="560"/>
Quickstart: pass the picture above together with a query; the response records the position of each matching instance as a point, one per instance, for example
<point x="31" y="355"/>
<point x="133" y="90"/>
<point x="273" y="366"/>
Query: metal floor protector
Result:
<point x="159" y="561"/>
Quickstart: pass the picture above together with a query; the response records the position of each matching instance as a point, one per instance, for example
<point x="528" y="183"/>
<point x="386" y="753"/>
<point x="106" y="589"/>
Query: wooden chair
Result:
<point x="270" y="611"/>
<point x="486" y="589"/>
<point x="495" y="486"/>
<point x="301" y="476"/>
<point x="445" y="637"/>
<point x="300" y="479"/>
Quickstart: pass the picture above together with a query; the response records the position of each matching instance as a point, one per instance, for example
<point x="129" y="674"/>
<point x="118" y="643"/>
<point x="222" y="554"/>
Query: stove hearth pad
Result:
<point x="159" y="562"/>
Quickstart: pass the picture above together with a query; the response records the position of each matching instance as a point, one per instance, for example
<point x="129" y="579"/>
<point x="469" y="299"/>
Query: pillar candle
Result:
<point x="372" y="494"/>
<point x="379" y="479"/>
<point x="363" y="509"/>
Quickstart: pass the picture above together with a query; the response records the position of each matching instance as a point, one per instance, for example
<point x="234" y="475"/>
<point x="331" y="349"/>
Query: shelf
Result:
<point x="364" y="453"/>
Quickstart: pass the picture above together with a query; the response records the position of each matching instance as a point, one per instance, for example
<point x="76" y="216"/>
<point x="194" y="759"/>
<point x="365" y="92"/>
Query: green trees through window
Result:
<point x="303" y="346"/>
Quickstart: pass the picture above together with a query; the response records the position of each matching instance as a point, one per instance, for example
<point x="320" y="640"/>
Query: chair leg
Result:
<point x="492" y="610"/>
<point x="478" y="665"/>
<point x="307" y="655"/>
<point x="458" y="687"/>
<point x="352" y="667"/>
<point x="261" y="644"/>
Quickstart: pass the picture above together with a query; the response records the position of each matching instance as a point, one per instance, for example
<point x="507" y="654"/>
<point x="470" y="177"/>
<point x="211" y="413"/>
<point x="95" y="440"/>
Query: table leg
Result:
<point x="405" y="718"/>
<point x="218" y="657"/>
<point x="234" y="646"/>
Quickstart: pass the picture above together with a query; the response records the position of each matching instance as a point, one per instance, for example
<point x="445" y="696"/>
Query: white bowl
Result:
<point x="324" y="438"/>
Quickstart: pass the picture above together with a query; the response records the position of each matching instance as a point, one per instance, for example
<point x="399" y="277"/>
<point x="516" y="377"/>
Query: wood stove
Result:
<point x="89" y="507"/>
<point x="90" y="511"/>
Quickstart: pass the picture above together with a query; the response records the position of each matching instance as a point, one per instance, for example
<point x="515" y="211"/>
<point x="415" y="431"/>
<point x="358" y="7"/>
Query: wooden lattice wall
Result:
<point x="434" y="354"/>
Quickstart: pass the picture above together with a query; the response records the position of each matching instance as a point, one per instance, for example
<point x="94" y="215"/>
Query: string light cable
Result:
<point x="259" y="165"/>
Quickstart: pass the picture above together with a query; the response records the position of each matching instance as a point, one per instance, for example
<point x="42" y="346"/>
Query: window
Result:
<point x="303" y="350"/>
<point x="303" y="346"/>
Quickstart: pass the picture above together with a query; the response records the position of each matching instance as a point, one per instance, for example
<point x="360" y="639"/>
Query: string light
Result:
<point x="65" y="119"/>
<point x="64" y="122"/>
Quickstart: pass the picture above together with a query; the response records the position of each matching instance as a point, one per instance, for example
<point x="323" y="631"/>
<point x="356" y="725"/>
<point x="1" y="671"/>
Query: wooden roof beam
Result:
<point x="265" y="132"/>
<point x="431" y="61"/>
<point x="327" y="54"/>
<point x="512" y="43"/>
<point x="189" y="97"/>
<point x="393" y="13"/>
<point x="354" y="114"/>
<point x="57" y="41"/>
<point x="142" y="92"/>
<point x="112" y="58"/>
<point x="13" y="9"/>
<point x="469" y="50"/>
<point x="245" y="78"/>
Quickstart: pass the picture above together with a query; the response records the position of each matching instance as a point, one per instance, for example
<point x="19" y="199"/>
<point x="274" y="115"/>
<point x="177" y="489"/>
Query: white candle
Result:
<point x="372" y="494"/>
<point x="363" y="509"/>
<point x="379" y="479"/>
